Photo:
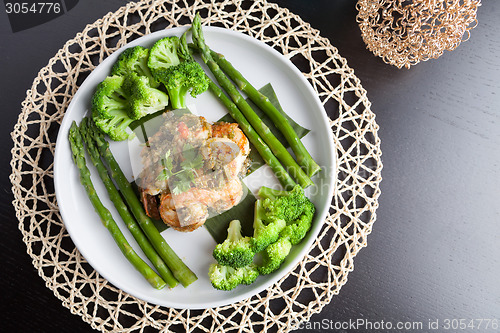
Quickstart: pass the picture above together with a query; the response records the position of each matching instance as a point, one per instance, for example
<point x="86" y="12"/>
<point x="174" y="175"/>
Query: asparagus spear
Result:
<point x="261" y="100"/>
<point x="77" y="149"/>
<point x="265" y="133"/>
<point x="181" y="272"/>
<point x="122" y="209"/>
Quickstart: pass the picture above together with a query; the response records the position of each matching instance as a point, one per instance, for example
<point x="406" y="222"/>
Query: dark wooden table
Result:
<point x="433" y="253"/>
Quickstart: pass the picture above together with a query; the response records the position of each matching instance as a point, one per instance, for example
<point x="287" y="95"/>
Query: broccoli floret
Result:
<point x="134" y="60"/>
<point x="109" y="108"/>
<point x="163" y="54"/>
<point x="143" y="99"/>
<point x="292" y="206"/>
<point x="249" y="274"/>
<point x="228" y="278"/>
<point x="274" y="255"/>
<point x="116" y="127"/>
<point x="186" y="77"/>
<point x="109" y="97"/>
<point x="224" y="277"/>
<point x="297" y="229"/>
<point x="236" y="250"/>
<point x="287" y="205"/>
<point x="172" y="64"/>
<point x="266" y="228"/>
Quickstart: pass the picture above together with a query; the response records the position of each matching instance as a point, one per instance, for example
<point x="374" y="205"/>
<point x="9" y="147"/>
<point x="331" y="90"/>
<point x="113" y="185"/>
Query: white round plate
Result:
<point x="260" y="64"/>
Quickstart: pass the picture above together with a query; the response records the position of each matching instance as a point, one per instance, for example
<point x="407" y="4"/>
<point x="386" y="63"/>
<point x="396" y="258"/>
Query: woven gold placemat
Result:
<point x="313" y="282"/>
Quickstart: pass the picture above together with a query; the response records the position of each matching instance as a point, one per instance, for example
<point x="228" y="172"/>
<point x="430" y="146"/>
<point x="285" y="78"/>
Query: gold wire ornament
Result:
<point x="405" y="32"/>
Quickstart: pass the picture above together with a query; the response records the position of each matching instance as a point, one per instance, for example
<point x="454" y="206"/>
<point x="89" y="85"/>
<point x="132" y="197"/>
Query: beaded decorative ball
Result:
<point x="405" y="32"/>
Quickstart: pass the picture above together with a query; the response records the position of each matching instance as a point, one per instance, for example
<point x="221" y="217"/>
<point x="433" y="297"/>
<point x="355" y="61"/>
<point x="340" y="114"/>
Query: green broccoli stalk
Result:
<point x="173" y="66"/>
<point x="236" y="250"/>
<point x="274" y="255"/>
<point x="134" y="60"/>
<point x="109" y="108"/>
<point x="227" y="278"/>
<point x="266" y="228"/>
<point x="143" y="99"/>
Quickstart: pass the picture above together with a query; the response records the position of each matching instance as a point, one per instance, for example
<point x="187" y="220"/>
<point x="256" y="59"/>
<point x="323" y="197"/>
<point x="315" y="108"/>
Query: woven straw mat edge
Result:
<point x="312" y="283"/>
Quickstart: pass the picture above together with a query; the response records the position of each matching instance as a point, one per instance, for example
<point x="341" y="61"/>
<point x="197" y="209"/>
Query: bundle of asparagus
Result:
<point x="270" y="148"/>
<point x="170" y="267"/>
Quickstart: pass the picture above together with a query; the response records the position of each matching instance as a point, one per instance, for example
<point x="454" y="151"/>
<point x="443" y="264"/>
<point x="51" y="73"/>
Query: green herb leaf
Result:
<point x="168" y="166"/>
<point x="163" y="175"/>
